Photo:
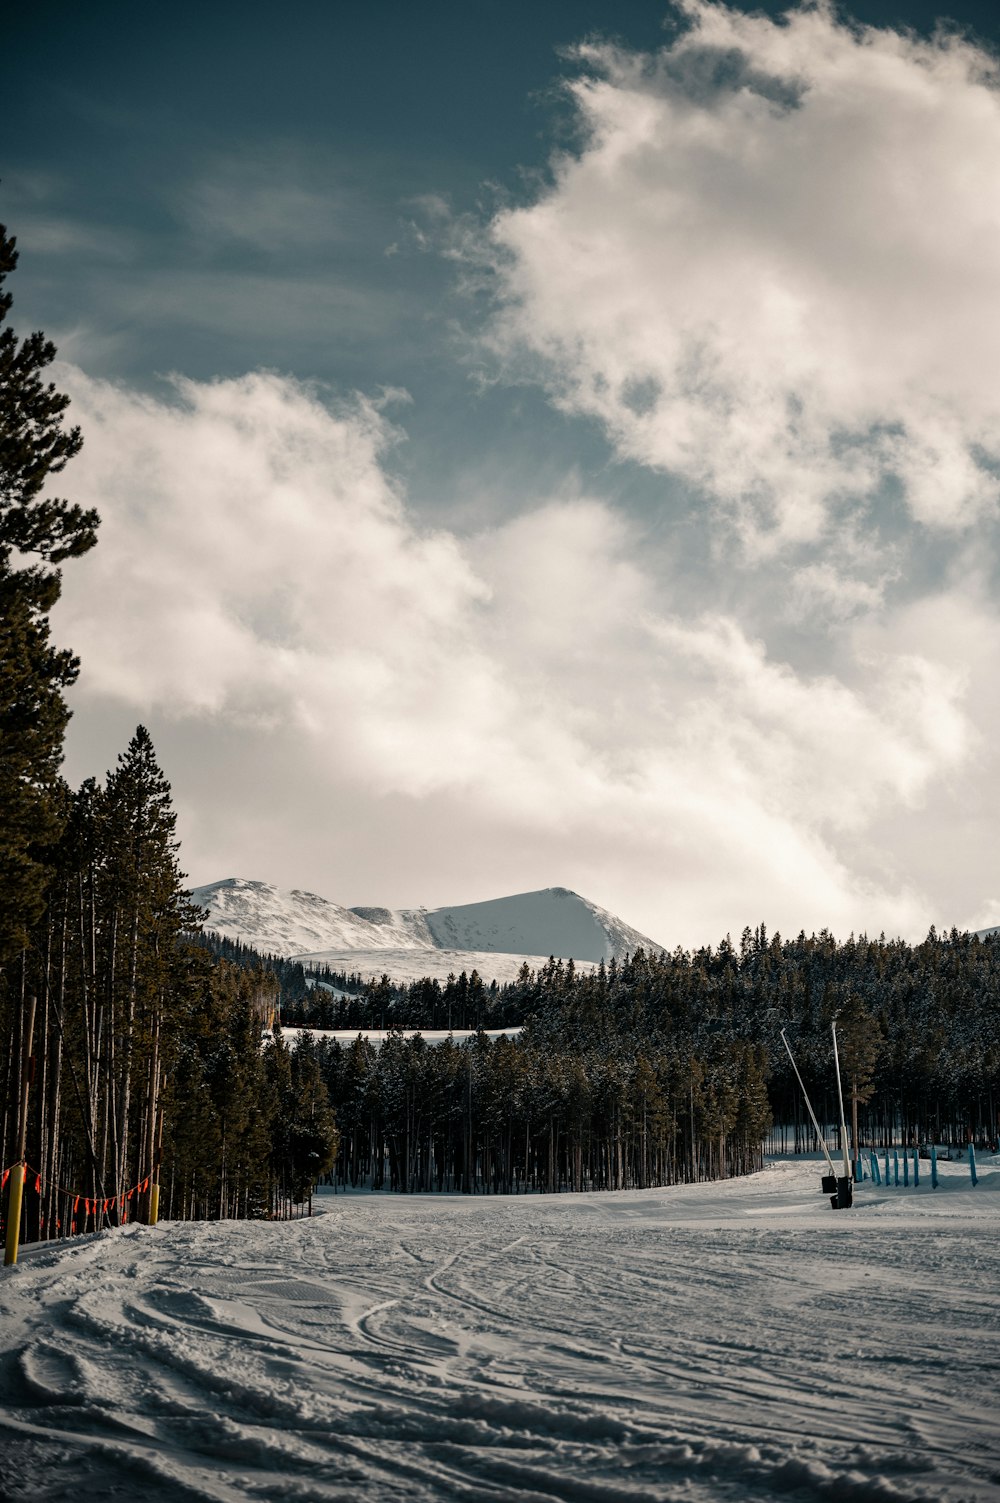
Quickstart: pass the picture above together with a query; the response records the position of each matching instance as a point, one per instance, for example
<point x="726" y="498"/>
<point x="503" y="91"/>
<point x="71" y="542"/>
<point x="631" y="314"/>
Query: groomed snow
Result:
<point x="707" y="1343"/>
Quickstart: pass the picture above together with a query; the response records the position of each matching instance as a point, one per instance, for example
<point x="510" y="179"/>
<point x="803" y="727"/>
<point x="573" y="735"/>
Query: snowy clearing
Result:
<point x="378" y="1036"/>
<point x="737" y="1340"/>
<point x="406" y="966"/>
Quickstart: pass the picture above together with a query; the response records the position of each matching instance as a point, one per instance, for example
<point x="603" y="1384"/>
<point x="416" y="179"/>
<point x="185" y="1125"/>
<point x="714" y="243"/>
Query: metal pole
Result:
<point x="840" y="1098"/>
<point x="798" y="1077"/>
<point x="17" y="1174"/>
<point x="14" y="1215"/>
<point x="151" y="1197"/>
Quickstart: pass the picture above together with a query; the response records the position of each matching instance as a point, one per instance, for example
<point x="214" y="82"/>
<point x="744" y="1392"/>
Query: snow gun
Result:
<point x="839" y="1187"/>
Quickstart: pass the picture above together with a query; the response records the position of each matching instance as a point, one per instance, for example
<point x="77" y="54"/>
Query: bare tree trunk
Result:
<point x="128" y="1025"/>
<point x="149" y="1168"/>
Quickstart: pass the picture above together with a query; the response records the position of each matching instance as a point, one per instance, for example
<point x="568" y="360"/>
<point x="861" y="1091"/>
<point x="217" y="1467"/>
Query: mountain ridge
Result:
<point x="550" y="921"/>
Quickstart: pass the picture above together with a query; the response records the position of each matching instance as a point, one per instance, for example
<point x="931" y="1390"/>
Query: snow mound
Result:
<point x="528" y="925"/>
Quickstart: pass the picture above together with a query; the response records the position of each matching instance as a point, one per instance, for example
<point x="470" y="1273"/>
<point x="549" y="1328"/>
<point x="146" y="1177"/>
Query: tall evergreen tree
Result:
<point x="36" y="532"/>
<point x="143" y="908"/>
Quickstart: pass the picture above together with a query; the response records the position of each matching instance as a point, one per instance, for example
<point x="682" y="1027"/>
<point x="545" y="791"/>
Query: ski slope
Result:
<point x="406" y="966"/>
<point x="737" y="1341"/>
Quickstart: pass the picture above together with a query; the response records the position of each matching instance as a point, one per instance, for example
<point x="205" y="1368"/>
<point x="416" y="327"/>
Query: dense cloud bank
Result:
<point x="259" y="570"/>
<point x="772" y="268"/>
<point x="766" y="269"/>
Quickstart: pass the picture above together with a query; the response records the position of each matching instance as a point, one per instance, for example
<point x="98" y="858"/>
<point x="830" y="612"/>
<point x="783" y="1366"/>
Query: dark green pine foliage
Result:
<point x="34" y="444"/>
<point x="658" y="1069"/>
<point x="220" y="1106"/>
<point x="33" y="718"/>
<point x="142" y="908"/>
<point x="148" y="1051"/>
<point x="104" y="967"/>
<point x="304" y="1129"/>
<point x="36" y="532"/>
<point x="292" y="990"/>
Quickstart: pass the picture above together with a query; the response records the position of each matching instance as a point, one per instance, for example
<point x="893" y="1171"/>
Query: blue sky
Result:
<point x="538" y="444"/>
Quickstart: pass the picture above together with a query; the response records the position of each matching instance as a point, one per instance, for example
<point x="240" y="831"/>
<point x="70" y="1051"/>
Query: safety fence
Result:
<point x="77" y="1211"/>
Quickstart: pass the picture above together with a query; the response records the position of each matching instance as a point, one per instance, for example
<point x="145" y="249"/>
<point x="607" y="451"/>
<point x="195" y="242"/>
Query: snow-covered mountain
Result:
<point x="554" y="921"/>
<point x="292" y="923"/>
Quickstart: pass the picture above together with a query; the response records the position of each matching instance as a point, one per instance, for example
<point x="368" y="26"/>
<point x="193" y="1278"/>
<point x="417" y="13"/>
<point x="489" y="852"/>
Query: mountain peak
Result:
<point x="551" y="921"/>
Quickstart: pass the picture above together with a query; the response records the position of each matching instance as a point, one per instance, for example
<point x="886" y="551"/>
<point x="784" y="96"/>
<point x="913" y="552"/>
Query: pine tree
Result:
<point x="312" y="1138"/>
<point x="33" y="718"/>
<point x="44" y="530"/>
<point x="858" y="1056"/>
<point x="143" y="909"/>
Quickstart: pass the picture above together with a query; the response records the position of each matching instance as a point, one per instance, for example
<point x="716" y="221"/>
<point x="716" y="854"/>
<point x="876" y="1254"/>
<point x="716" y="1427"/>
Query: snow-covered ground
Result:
<point x="707" y="1343"/>
<point x="404" y="966"/>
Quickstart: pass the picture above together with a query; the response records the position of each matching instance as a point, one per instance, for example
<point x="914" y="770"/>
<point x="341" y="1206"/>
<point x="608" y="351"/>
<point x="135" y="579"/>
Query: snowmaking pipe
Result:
<point x="840" y="1098"/>
<point x="798" y="1077"/>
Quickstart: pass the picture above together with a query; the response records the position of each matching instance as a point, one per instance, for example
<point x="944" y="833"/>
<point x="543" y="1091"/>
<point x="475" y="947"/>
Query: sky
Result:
<point x="537" y="444"/>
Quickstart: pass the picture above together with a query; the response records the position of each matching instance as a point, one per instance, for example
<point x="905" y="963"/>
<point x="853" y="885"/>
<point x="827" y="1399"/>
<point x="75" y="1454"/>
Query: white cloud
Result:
<point x="772" y="267"/>
<point x="522" y="701"/>
<point x="255" y="561"/>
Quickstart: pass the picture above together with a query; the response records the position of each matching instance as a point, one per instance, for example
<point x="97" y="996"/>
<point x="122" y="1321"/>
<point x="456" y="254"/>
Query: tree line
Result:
<point x="671" y="1067"/>
<point x="344" y="1000"/>
<point x="918" y="1025"/>
<point x="510" y="1115"/>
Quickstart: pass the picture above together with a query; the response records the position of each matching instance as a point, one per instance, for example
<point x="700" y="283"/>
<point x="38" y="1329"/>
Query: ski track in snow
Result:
<point x="697" y="1344"/>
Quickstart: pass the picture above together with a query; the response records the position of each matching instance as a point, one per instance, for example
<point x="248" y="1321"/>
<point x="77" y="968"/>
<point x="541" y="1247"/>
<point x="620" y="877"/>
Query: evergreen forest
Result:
<point x="662" y="1067"/>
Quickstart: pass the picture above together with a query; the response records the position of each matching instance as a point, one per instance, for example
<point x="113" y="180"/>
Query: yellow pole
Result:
<point x="17" y="1175"/>
<point x="154" y="1204"/>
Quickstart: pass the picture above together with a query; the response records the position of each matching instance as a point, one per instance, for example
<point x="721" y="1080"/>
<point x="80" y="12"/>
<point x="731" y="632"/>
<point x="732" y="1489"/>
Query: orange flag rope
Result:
<point x="120" y="1202"/>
